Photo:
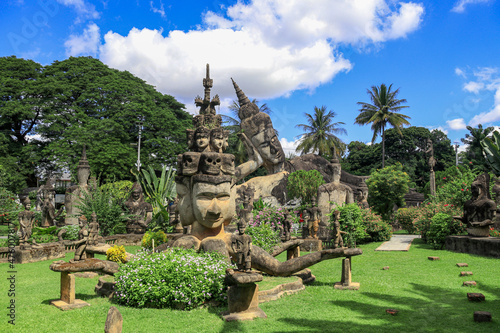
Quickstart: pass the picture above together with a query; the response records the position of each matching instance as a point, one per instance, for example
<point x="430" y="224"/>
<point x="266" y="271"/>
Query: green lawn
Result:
<point x="428" y="294"/>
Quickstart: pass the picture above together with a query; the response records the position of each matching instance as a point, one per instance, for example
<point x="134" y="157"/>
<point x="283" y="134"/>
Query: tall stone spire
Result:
<point x="242" y="98"/>
<point x="206" y="105"/>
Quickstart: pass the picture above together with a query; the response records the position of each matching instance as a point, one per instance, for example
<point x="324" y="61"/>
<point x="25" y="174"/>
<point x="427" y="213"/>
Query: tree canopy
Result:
<point x="49" y="113"/>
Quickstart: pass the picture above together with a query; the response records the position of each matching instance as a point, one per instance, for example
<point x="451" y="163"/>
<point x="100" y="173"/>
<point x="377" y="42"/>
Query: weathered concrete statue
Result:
<point x="479" y="212"/>
<point x="141" y="211"/>
<point x="26" y="220"/>
<point x="287" y="226"/>
<point x="48" y="209"/>
<point x="93" y="230"/>
<point x="83" y="239"/>
<point x="206" y="189"/>
<point x="339" y="241"/>
<point x="432" y="164"/>
<point x="76" y="192"/>
<point x="315" y="215"/>
<point x="242" y="248"/>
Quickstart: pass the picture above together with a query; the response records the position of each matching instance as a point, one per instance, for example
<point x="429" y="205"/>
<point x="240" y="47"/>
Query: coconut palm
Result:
<point x="320" y="133"/>
<point x="474" y="150"/>
<point x="383" y="110"/>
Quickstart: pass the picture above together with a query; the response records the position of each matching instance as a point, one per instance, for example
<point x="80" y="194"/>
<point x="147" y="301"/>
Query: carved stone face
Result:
<point x="211" y="163"/>
<point x="83" y="176"/>
<point x="27" y="205"/>
<point x="269" y="146"/>
<point x="136" y="194"/>
<point x="217" y="141"/>
<point x="202" y="140"/>
<point x="185" y="204"/>
<point x="189" y="162"/>
<point x="212" y="204"/>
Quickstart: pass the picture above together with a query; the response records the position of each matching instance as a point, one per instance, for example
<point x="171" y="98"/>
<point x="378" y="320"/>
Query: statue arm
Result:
<point x="254" y="159"/>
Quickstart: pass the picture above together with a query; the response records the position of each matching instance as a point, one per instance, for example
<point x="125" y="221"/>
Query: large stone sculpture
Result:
<point x="48" y="209"/>
<point x="141" y="211"/>
<point x="26" y="219"/>
<point x="432" y="164"/>
<point x="479" y="212"/>
<point x="207" y="191"/>
<point x="76" y="192"/>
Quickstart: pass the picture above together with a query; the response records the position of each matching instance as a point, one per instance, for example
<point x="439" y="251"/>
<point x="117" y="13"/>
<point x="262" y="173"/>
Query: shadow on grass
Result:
<point x="426" y="309"/>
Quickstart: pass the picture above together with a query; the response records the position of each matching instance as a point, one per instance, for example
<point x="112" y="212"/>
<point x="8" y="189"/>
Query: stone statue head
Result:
<point x="136" y="194"/>
<point x="27" y="203"/>
<point x="82" y="221"/>
<point x="202" y="138"/>
<point x="242" y="225"/>
<point x="217" y="140"/>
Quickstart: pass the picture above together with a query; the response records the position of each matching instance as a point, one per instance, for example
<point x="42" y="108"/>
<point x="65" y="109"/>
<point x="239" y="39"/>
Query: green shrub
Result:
<point x="45" y="235"/>
<point x="9" y="207"/>
<point x="71" y="232"/>
<point x="453" y="186"/>
<point x="351" y="221"/>
<point x="427" y="211"/>
<point x="377" y="229"/>
<point x="304" y="184"/>
<point x="443" y="225"/>
<point x="259" y="205"/>
<point x="159" y="237"/>
<point x="264" y="236"/>
<point x="116" y="254"/>
<point x="405" y="218"/>
<point x="120" y="189"/>
<point x="177" y="278"/>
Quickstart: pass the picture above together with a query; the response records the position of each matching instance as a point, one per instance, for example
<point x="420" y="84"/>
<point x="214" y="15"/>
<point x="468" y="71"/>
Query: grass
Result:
<point x="428" y="294"/>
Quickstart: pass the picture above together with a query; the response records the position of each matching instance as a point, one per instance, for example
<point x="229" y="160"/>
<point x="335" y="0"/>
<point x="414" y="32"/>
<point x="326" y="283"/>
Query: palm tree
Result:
<point x="320" y="133"/>
<point x="383" y="111"/>
<point x="474" y="150"/>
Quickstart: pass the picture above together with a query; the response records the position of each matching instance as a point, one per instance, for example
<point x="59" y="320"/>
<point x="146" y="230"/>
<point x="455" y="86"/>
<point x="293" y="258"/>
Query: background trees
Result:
<point x="48" y="114"/>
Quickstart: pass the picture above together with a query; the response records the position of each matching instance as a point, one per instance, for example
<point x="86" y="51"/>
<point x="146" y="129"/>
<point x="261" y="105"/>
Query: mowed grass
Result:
<point x="428" y="294"/>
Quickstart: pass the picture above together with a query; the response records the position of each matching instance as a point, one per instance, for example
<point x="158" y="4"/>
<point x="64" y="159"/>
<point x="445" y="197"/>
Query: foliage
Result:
<point x="321" y="133"/>
<point x="119" y="189"/>
<point x="474" y="153"/>
<point x="71" y="232"/>
<point x="351" y="221"/>
<point x="116" y="254"/>
<point x="159" y="237"/>
<point x="491" y="149"/>
<point x="8" y="205"/>
<point x="427" y="211"/>
<point x="45" y="235"/>
<point x="387" y="188"/>
<point x="363" y="159"/>
<point x="377" y="229"/>
<point x="159" y="192"/>
<point x="494" y="233"/>
<point x="304" y="184"/>
<point x="452" y="186"/>
<point x="108" y="208"/>
<point x="443" y="225"/>
<point x="177" y="278"/>
<point x="264" y="236"/>
<point x="259" y="205"/>
<point x="405" y="217"/>
<point x="383" y="111"/>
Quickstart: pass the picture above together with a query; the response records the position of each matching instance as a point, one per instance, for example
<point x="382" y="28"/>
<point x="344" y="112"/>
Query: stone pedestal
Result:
<point x="293" y="253"/>
<point x="311" y="245"/>
<point x="243" y="297"/>
<point x="345" y="282"/>
<point x="479" y="231"/>
<point x="68" y="300"/>
<point x="39" y="253"/>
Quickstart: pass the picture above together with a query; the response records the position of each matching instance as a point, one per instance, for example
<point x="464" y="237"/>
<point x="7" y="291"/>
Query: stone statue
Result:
<point x="363" y="198"/>
<point x="315" y="214"/>
<point x="26" y="220"/>
<point x="141" y="211"/>
<point x="479" y="212"/>
<point x="287" y="226"/>
<point x="48" y="209"/>
<point x="76" y="192"/>
<point x="339" y="241"/>
<point x="241" y="245"/>
<point x="173" y="216"/>
<point x="432" y="164"/>
<point x="83" y="239"/>
<point x="93" y="230"/>
<point x="496" y="191"/>
<point x="206" y="188"/>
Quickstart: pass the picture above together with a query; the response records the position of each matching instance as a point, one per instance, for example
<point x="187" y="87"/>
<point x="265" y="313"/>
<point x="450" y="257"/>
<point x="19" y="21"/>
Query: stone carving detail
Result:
<point x="141" y="211"/>
<point x="432" y="164"/>
<point x="83" y="239"/>
<point x="93" y="230"/>
<point x="26" y="219"/>
<point x="242" y="247"/>
<point x="338" y="240"/>
<point x="76" y="192"/>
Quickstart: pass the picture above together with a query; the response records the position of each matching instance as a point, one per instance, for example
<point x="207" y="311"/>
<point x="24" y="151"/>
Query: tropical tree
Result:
<point x="475" y="151"/>
<point x="320" y="133"/>
<point x="383" y="110"/>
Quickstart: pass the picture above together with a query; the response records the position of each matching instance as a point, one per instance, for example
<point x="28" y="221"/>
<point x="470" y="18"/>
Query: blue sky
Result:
<point x="293" y="55"/>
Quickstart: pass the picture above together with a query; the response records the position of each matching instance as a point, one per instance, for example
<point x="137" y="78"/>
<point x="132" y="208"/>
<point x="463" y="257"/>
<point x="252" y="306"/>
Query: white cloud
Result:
<point x="84" y="10"/>
<point x="460" y="5"/>
<point x="85" y="44"/>
<point x="460" y="72"/>
<point x="456" y="124"/>
<point x="160" y="10"/>
<point x="289" y="147"/>
<point x="439" y="128"/>
<point x="473" y="87"/>
<point x="270" y="47"/>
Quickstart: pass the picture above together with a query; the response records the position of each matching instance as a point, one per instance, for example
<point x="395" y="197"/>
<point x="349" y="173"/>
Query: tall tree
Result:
<point x="475" y="151"/>
<point x="321" y="133"/>
<point x="383" y="110"/>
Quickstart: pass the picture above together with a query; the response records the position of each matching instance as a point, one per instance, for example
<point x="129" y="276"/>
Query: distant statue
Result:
<point x="93" y="230"/>
<point x="432" y="164"/>
<point x="26" y="220"/>
<point x="48" y="209"/>
<point x="141" y="211"/>
<point x="76" y="192"/>
<point x="338" y="242"/>
<point x="480" y="211"/>
<point x="242" y="248"/>
<point x="315" y="217"/>
<point x="287" y="226"/>
<point x="363" y="198"/>
<point x="83" y="239"/>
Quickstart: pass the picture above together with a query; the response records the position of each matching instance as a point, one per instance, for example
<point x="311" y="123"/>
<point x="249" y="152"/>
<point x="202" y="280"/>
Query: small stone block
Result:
<point x="465" y="273"/>
<point x="475" y="297"/>
<point x="385" y="268"/>
<point x="469" y="283"/>
<point x="351" y="286"/>
<point x="433" y="258"/>
<point x="62" y="305"/>
<point x="114" y="321"/>
<point x="392" y="311"/>
<point x="462" y="264"/>
<point x="482" y="316"/>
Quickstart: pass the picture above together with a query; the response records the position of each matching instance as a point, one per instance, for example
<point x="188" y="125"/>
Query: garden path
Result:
<point x="397" y="243"/>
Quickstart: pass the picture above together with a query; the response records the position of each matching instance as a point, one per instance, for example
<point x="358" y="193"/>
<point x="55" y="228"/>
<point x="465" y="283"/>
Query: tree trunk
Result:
<point x="383" y="147"/>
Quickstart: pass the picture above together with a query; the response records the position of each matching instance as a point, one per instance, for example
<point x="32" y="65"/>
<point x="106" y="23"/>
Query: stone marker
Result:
<point x="345" y="282"/>
<point x="469" y="283"/>
<point x="482" y="316"/>
<point x="465" y="273"/>
<point x="385" y="268"/>
<point x="475" y="297"/>
<point x="462" y="264"/>
<point x="392" y="311"/>
<point x="114" y="321"/>
<point x="433" y="258"/>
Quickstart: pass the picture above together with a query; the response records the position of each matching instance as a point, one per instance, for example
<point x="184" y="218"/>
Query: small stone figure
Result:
<point x="432" y="164"/>
<point x="305" y="230"/>
<point x="242" y="248"/>
<point x="141" y="210"/>
<point x="202" y="139"/>
<point x="315" y="219"/>
<point x="83" y="238"/>
<point x="287" y="226"/>
<point x="93" y="230"/>
<point x="217" y="141"/>
<point x="173" y="216"/>
<point x="48" y="209"/>
<point x="26" y="219"/>
<point x="339" y="242"/>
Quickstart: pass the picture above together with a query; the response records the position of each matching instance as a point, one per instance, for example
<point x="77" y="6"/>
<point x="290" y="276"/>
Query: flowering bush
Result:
<point x="405" y="218"/>
<point x="443" y="225"/>
<point x="453" y="187"/>
<point x="377" y="229"/>
<point x="494" y="233"/>
<point x="427" y="211"/>
<point x="265" y="227"/>
<point x="159" y="237"/>
<point x="177" y="278"/>
<point x="116" y="254"/>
